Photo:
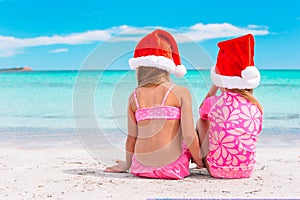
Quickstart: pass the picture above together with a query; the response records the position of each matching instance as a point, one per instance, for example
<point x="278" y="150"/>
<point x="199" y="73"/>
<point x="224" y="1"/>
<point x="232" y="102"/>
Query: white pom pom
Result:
<point x="251" y="72"/>
<point x="180" y="71"/>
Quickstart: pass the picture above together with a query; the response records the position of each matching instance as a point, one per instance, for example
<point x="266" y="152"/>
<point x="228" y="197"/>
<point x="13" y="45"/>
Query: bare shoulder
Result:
<point x="181" y="91"/>
<point x="131" y="97"/>
<point x="131" y="100"/>
<point x="183" y="94"/>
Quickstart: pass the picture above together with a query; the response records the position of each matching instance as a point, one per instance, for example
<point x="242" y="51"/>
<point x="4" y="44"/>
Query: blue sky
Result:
<point x="52" y="34"/>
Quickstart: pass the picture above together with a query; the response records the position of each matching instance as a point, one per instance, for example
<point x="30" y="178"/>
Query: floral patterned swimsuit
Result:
<point x="234" y="126"/>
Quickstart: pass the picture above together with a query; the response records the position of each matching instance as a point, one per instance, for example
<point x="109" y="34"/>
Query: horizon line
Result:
<point x="5" y="70"/>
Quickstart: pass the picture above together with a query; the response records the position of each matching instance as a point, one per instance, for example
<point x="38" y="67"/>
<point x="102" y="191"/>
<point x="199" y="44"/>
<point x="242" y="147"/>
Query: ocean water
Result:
<point x="52" y="105"/>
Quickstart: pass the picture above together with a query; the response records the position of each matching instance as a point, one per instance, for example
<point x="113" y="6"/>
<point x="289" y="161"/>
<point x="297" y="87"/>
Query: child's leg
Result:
<point x="202" y="129"/>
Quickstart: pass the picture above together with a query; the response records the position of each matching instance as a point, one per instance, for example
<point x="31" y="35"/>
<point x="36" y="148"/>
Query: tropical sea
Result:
<point x="42" y="106"/>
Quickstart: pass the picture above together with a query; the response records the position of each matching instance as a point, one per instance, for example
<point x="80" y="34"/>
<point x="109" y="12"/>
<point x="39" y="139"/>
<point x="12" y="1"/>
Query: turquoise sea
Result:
<point x="50" y="105"/>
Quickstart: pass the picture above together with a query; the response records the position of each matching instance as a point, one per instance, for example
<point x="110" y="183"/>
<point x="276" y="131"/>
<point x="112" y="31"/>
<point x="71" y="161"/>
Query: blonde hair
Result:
<point x="151" y="76"/>
<point x="248" y="94"/>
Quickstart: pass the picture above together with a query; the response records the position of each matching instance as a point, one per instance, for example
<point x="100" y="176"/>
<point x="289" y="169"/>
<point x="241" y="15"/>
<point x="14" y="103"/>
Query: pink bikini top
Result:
<point x="157" y="112"/>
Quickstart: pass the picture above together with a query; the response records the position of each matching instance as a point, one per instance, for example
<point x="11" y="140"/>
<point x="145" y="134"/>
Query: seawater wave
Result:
<point x="41" y="103"/>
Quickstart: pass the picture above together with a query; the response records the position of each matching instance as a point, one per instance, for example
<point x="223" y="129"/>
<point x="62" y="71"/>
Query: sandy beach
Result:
<point x="41" y="156"/>
<point x="70" y="172"/>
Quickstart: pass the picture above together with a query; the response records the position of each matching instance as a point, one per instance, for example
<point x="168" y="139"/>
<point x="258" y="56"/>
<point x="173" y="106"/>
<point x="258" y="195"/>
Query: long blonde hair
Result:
<point x="151" y="76"/>
<point x="248" y="94"/>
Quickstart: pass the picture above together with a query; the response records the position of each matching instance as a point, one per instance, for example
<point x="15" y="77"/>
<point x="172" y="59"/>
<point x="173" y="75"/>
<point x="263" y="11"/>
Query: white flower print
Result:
<point x="222" y="146"/>
<point x="251" y="116"/>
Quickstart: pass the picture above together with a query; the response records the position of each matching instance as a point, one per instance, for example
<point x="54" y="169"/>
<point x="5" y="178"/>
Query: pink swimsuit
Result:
<point x="234" y="126"/>
<point x="175" y="170"/>
<point x="157" y="112"/>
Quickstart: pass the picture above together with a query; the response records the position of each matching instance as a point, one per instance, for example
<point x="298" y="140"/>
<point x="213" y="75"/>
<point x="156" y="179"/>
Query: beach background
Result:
<point x="64" y="122"/>
<point x="60" y="129"/>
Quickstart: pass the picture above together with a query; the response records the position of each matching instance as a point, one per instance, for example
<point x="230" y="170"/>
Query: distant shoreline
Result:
<point x="113" y="70"/>
<point x="16" y="69"/>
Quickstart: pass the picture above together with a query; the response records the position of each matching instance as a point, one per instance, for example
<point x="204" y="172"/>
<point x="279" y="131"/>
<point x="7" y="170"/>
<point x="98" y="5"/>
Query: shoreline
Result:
<point x="265" y="140"/>
<point x="66" y="170"/>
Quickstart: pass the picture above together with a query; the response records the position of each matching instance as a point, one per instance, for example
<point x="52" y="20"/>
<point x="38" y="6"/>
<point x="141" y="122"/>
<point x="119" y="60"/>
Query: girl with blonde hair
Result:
<point x="161" y="139"/>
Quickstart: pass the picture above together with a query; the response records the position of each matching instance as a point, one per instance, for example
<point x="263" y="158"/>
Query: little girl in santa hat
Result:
<point x="161" y="137"/>
<point x="230" y="123"/>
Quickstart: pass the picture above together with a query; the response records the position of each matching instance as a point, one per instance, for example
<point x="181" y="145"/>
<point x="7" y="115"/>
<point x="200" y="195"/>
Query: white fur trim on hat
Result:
<point x="180" y="71"/>
<point x="250" y="79"/>
<point x="160" y="62"/>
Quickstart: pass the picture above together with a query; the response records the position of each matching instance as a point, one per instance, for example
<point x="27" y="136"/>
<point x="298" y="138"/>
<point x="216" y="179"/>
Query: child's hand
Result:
<point x="200" y="164"/>
<point x="213" y="90"/>
<point x="118" y="168"/>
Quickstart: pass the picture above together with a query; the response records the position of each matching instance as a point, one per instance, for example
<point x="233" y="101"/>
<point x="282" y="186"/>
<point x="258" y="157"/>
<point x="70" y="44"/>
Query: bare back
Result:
<point x="158" y="140"/>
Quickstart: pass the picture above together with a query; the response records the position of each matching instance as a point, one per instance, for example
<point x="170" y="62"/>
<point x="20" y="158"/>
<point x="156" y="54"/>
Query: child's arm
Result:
<point x="132" y="135"/>
<point x="123" y="166"/>
<point x="187" y="125"/>
<point x="213" y="90"/>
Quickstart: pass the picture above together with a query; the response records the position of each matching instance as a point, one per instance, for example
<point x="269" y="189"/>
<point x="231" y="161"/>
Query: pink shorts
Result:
<point x="175" y="170"/>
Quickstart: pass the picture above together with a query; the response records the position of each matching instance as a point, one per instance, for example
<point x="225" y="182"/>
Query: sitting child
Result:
<point x="230" y="123"/>
<point x="161" y="137"/>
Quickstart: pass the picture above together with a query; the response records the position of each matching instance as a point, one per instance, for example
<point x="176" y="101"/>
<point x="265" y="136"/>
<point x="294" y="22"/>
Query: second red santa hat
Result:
<point x="235" y="64"/>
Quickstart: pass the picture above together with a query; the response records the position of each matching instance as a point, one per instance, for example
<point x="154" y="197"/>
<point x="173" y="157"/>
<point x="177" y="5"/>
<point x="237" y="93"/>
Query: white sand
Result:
<point x="65" y="172"/>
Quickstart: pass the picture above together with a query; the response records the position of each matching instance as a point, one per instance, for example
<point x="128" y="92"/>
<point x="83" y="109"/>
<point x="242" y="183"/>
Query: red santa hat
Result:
<point x="235" y="65"/>
<point x="158" y="49"/>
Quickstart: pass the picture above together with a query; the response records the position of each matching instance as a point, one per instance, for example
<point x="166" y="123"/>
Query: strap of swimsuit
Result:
<point x="168" y="92"/>
<point x="136" y="101"/>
